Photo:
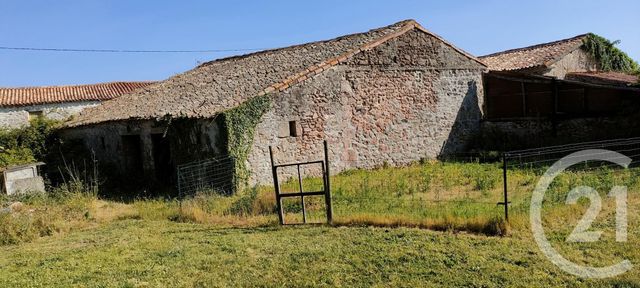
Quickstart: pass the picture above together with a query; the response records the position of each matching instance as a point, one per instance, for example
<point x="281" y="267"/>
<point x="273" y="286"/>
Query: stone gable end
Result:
<point x="400" y="102"/>
<point x="415" y="49"/>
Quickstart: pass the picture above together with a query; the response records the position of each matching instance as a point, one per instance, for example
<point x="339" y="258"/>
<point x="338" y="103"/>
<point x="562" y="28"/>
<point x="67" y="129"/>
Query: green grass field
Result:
<point x="76" y="240"/>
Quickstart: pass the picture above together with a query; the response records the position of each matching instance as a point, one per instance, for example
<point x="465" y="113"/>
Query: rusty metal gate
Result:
<point x="325" y="191"/>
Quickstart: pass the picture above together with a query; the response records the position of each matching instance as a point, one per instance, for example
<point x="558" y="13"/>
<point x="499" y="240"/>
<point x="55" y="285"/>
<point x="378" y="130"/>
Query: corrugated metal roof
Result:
<point x="24" y="96"/>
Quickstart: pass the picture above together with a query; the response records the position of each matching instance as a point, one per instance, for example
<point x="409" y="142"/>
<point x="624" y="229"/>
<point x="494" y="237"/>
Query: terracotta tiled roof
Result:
<point x="225" y="83"/>
<point x="607" y="78"/>
<point x="24" y="96"/>
<point x="532" y="56"/>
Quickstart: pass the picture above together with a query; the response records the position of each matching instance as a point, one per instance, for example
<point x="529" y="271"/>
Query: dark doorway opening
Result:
<point x="132" y="153"/>
<point x="162" y="158"/>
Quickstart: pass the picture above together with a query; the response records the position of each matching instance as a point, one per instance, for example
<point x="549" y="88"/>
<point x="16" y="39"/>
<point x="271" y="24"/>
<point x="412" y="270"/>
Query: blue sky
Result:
<point x="479" y="27"/>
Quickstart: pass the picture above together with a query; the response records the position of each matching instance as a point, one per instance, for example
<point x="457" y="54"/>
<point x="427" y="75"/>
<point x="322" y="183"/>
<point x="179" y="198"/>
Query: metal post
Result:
<point x="327" y="187"/>
<point x="524" y="99"/>
<point x="179" y="189"/>
<point x="504" y="180"/>
<point x="276" y="186"/>
<point x="554" y="116"/>
<point x="304" y="214"/>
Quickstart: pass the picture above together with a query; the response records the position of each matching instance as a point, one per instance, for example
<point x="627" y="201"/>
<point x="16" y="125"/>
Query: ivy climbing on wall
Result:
<point x="609" y="57"/>
<point x="240" y="123"/>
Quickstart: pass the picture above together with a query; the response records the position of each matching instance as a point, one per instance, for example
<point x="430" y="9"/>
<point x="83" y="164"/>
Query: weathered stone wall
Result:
<point x="576" y="61"/>
<point x="514" y="135"/>
<point x="190" y="140"/>
<point x="105" y="140"/>
<point x="410" y="98"/>
<point x="15" y="117"/>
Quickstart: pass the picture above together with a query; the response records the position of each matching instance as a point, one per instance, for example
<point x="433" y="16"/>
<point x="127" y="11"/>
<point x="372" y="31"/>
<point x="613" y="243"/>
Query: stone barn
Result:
<point x="391" y="95"/>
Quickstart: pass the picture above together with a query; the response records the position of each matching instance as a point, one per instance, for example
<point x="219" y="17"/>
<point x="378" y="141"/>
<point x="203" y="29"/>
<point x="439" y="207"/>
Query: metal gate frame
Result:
<point x="326" y="191"/>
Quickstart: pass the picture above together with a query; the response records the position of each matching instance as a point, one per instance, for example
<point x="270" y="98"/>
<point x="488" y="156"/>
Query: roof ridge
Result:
<point x="80" y="85"/>
<point x="328" y="63"/>
<point x="312" y="57"/>
<point x="399" y="23"/>
<point x="534" y="46"/>
<point x="407" y="25"/>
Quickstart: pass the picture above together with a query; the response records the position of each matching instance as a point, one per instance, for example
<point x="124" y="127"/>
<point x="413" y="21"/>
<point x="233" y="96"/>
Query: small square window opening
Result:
<point x="293" y="129"/>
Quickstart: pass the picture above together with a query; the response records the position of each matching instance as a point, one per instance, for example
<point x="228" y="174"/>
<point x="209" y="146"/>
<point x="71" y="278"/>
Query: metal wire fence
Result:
<point x="523" y="168"/>
<point x="472" y="187"/>
<point x="546" y="156"/>
<point x="215" y="175"/>
<point x="465" y="186"/>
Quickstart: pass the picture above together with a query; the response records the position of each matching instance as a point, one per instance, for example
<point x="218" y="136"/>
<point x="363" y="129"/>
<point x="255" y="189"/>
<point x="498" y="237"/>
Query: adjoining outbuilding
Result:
<point x="392" y="95"/>
<point x="19" y="105"/>
<point x="571" y="90"/>
<point x="554" y="59"/>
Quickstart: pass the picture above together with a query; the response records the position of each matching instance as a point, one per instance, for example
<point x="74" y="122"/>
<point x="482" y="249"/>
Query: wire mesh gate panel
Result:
<point x="211" y="175"/>
<point x="325" y="191"/>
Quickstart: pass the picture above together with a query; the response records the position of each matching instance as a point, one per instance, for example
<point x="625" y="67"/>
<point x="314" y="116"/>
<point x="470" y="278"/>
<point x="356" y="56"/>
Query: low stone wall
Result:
<point x="513" y="135"/>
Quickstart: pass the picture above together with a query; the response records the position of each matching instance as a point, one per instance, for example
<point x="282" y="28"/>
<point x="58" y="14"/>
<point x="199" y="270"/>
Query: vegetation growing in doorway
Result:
<point x="609" y="57"/>
<point x="240" y="123"/>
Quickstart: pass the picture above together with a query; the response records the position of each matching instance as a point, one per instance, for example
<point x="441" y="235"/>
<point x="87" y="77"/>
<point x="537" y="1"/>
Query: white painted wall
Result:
<point x="15" y="117"/>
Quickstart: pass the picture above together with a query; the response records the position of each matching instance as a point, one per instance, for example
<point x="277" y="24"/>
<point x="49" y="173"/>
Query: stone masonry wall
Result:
<point x="15" y="117"/>
<point x="515" y="135"/>
<point x="105" y="140"/>
<point x="190" y="140"/>
<point x="410" y="98"/>
<point x="576" y="61"/>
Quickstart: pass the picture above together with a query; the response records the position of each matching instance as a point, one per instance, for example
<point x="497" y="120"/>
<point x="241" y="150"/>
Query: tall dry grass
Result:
<point x="430" y="195"/>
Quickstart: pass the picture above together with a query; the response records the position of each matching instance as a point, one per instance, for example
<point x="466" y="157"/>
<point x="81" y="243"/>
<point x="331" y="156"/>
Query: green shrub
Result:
<point x="485" y="182"/>
<point x="244" y="205"/>
<point x="27" y="144"/>
<point x="609" y="57"/>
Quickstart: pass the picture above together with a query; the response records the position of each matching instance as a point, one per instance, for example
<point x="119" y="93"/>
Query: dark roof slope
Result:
<point x="533" y="56"/>
<point x="24" y="96"/>
<point x="225" y="83"/>
<point x="605" y="78"/>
